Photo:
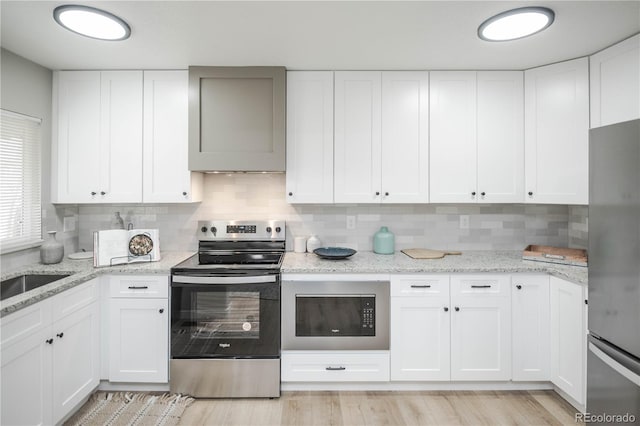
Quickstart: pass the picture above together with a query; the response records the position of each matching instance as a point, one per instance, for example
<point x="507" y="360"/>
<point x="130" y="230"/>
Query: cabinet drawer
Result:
<point x="24" y="322"/>
<point x="480" y="285"/>
<point x="143" y="286"/>
<point x="419" y="285"/>
<point x="74" y="299"/>
<point x="344" y="366"/>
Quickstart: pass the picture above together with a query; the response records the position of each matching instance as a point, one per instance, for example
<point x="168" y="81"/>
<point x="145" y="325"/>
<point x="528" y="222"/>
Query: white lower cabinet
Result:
<point x="138" y="329"/>
<point x="50" y="357"/>
<point x="420" y="328"/>
<point x="454" y="327"/>
<point x="480" y="327"/>
<point x="530" y="327"/>
<point x="568" y="338"/>
<point x="335" y="366"/>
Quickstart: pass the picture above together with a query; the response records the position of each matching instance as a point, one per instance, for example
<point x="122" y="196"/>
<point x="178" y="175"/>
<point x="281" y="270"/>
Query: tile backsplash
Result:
<point x="260" y="196"/>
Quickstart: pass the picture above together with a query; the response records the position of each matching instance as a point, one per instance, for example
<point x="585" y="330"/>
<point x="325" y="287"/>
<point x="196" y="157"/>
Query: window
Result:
<point x="20" y="205"/>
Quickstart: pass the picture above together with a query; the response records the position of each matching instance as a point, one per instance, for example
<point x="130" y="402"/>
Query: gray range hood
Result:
<point x="237" y="119"/>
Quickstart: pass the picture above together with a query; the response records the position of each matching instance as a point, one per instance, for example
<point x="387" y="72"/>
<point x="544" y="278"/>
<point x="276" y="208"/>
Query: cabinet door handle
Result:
<point x="377" y="192"/>
<point x="184" y="193"/>
<point x="483" y="193"/>
<point x="60" y="335"/>
<point x="103" y="193"/>
<point x="446" y="309"/>
<point x="473" y="194"/>
<point x="335" y="368"/>
<point x="519" y="287"/>
<point x="49" y="341"/>
<point x="291" y="194"/>
<point x="93" y="192"/>
<point x="420" y="286"/>
<point x="530" y="193"/>
<point x="386" y="194"/>
<point x="138" y="287"/>
<point x="161" y="310"/>
<point x="457" y="309"/>
<point x="480" y="286"/>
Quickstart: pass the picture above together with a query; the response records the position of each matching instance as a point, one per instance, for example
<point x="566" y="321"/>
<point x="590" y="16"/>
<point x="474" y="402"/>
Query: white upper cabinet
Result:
<point x="381" y="137"/>
<point x="167" y="178"/>
<point x="477" y="136"/>
<point x="98" y="146"/>
<point x="76" y="137"/>
<point x="500" y="136"/>
<point x="615" y="83"/>
<point x="357" y="137"/>
<point x="120" y="136"/>
<point x="405" y="137"/>
<point x="557" y="133"/>
<point x="97" y="143"/>
<point x="453" y="136"/>
<point x="309" y="137"/>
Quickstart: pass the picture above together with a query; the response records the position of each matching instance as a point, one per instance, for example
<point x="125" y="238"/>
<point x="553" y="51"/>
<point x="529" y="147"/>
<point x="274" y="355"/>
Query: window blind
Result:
<point x="20" y="203"/>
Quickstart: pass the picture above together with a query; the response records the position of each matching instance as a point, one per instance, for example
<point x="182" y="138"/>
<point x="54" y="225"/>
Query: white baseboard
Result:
<point x="413" y="386"/>
<point x="133" y="387"/>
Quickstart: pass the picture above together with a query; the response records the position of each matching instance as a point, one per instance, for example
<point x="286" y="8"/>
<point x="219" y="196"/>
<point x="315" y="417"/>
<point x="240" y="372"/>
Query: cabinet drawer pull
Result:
<point x="518" y="286"/>
<point x="446" y="309"/>
<point x="60" y="335"/>
<point x="49" y="341"/>
<point x="420" y="286"/>
<point x="138" y="287"/>
<point x="480" y="286"/>
<point x="457" y="309"/>
<point x="335" y="368"/>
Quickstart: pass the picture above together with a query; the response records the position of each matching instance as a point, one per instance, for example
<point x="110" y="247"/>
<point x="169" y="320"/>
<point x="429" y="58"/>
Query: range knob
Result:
<point x="204" y="229"/>
<point x="214" y="230"/>
<point x="278" y="229"/>
<point x="268" y="229"/>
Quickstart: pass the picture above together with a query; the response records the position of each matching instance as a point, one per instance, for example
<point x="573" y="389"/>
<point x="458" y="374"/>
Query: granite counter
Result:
<point x="80" y="271"/>
<point x="399" y="263"/>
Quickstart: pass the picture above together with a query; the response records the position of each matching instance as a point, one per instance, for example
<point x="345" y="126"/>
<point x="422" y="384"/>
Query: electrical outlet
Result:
<point x="69" y="224"/>
<point x="351" y="222"/>
<point x="464" y="221"/>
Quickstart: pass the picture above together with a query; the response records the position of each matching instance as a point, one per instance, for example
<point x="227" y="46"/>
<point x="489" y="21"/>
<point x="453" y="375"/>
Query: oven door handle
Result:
<point x="224" y="280"/>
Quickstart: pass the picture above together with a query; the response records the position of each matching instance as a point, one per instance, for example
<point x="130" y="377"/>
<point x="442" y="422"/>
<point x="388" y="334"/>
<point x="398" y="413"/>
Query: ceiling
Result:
<point x="313" y="35"/>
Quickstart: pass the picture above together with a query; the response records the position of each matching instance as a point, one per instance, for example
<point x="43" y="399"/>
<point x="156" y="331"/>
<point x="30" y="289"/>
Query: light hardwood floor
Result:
<point x="386" y="408"/>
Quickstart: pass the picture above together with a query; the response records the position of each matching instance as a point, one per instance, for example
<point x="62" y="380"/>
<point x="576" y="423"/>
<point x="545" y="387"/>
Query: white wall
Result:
<point x="25" y="87"/>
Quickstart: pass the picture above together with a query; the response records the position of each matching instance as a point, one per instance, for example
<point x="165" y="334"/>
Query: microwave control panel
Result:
<point x="368" y="316"/>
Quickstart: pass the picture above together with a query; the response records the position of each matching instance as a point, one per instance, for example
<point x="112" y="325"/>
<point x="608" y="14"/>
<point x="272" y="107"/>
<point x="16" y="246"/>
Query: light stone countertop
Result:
<point x="468" y="262"/>
<point x="80" y="271"/>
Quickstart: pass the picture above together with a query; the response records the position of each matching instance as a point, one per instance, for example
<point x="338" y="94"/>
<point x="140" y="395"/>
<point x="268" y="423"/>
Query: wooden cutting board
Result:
<point x="428" y="253"/>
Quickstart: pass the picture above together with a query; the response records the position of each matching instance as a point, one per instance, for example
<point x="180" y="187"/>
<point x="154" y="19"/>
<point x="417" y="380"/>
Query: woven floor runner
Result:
<point x="130" y="408"/>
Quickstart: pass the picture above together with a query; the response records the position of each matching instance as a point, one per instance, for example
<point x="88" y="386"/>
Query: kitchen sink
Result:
<point x="22" y="283"/>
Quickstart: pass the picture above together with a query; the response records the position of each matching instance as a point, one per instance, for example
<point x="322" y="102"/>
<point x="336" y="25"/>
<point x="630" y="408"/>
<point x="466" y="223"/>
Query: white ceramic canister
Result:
<point x="300" y="244"/>
<point x="313" y="243"/>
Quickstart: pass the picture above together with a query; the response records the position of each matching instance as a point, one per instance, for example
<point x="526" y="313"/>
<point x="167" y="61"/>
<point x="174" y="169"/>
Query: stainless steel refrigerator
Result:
<point x="613" y="363"/>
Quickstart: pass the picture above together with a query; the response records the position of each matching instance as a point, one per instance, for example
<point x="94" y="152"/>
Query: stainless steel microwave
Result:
<point x="335" y="315"/>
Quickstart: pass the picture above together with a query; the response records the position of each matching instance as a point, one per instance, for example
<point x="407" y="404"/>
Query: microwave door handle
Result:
<point x="183" y="279"/>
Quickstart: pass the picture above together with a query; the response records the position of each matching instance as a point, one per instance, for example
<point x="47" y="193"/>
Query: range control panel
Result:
<point x="258" y="230"/>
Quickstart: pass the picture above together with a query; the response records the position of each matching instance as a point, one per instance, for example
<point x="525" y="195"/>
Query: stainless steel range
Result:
<point x="225" y="312"/>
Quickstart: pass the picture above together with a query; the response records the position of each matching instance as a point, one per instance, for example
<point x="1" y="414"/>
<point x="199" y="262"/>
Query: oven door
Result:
<point x="225" y="316"/>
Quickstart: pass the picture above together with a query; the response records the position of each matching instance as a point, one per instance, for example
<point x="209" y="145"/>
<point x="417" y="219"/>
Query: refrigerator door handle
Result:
<point x="624" y="370"/>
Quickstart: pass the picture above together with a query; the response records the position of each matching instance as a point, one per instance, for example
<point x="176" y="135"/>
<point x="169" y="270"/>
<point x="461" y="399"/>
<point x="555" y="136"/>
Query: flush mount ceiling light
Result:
<point x="516" y="23"/>
<point x="91" y="22"/>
